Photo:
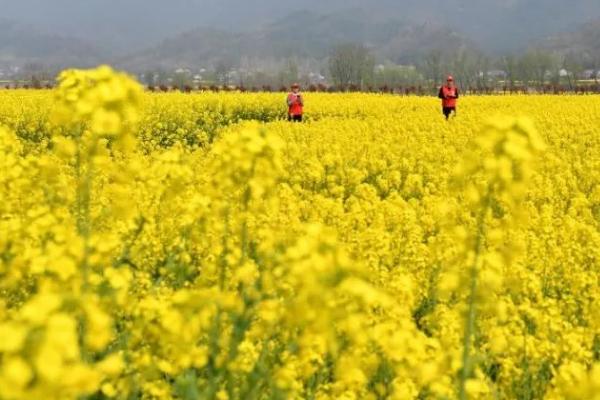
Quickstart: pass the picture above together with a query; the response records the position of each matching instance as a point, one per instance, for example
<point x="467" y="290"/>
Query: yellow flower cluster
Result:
<point x="197" y="246"/>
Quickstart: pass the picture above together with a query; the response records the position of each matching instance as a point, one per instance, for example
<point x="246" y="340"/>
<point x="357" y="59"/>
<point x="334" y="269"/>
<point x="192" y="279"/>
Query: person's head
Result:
<point x="450" y="81"/>
<point x="295" y="88"/>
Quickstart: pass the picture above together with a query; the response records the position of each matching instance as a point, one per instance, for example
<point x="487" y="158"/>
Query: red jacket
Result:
<point x="295" y="104"/>
<point x="448" y="96"/>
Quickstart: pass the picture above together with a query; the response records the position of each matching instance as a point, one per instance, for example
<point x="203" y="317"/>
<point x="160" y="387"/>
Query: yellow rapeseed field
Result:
<point x="196" y="246"/>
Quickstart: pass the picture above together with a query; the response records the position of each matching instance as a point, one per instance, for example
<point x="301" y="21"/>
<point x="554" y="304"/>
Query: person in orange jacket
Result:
<point x="449" y="95"/>
<point x="295" y="104"/>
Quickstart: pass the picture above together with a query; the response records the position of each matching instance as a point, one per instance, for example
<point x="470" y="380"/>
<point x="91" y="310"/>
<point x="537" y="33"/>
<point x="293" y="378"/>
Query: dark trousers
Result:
<point x="449" y="110"/>
<point x="295" y="118"/>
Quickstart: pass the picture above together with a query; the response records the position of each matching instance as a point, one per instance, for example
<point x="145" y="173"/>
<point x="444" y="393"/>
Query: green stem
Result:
<point x="224" y="251"/>
<point x="84" y="175"/>
<point x="472" y="307"/>
<point x="84" y="224"/>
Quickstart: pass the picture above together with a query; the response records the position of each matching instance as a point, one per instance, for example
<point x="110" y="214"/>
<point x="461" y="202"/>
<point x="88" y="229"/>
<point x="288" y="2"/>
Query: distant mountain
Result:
<point x="508" y="25"/>
<point x="137" y="34"/>
<point x="125" y="26"/>
<point x="584" y="40"/>
<point x="196" y="47"/>
<point x="303" y="35"/>
<point x="413" y="42"/>
<point x="20" y="44"/>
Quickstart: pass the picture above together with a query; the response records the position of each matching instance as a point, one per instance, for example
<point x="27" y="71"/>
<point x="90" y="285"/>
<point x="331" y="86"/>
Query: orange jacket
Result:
<point x="295" y="104"/>
<point x="448" y="96"/>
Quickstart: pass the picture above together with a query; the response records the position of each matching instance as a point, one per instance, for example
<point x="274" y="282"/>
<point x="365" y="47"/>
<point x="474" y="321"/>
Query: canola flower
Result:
<point x="176" y="246"/>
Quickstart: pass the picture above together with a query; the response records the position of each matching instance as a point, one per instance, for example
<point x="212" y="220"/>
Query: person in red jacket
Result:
<point x="295" y="104"/>
<point x="449" y="94"/>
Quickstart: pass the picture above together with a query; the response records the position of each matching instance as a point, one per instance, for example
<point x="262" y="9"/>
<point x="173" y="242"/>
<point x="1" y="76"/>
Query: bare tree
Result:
<point x="556" y="66"/>
<point x="36" y="74"/>
<point x="162" y="78"/>
<point x="596" y="68"/>
<point x="432" y="63"/>
<point x="509" y="63"/>
<point x="351" y="65"/>
<point x="182" y="78"/>
<point x="289" y="73"/>
<point x="391" y="75"/>
<point x="222" y="70"/>
<point x="459" y="62"/>
<point x="573" y="64"/>
<point x="541" y="63"/>
<point x="525" y="68"/>
<point x="150" y="78"/>
<point x="483" y="67"/>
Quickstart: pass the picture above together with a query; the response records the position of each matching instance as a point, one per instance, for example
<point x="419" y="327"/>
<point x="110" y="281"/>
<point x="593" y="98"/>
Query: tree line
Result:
<point x="540" y="70"/>
<point x="353" y="67"/>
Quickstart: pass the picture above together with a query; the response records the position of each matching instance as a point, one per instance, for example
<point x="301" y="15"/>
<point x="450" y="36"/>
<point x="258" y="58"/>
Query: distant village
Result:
<point x="388" y="78"/>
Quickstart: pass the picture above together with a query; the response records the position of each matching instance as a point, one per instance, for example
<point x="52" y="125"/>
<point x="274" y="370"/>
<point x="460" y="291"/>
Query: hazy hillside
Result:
<point x="141" y="34"/>
<point x="131" y="25"/>
<point x="304" y="35"/>
<point x="20" y="43"/>
<point x="585" y="41"/>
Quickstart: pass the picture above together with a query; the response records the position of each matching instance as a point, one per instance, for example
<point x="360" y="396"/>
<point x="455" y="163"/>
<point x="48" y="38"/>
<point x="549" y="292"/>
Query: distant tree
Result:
<point x="555" y="70"/>
<point x="150" y="78"/>
<point x="526" y="69"/>
<point x="222" y="70"/>
<point x="36" y="82"/>
<point x="482" y="63"/>
<point x="36" y="75"/>
<point x="260" y="79"/>
<point x="182" y="78"/>
<point x="432" y="65"/>
<point x="351" y="65"/>
<point x="289" y="73"/>
<point x="510" y="66"/>
<point x="539" y="62"/>
<point x="573" y="65"/>
<point x="162" y="78"/>
<point x="594" y="64"/>
<point x="391" y="76"/>
<point x="464" y="66"/>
